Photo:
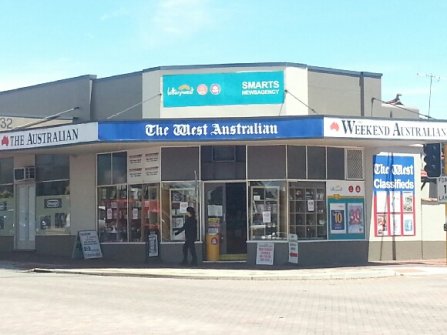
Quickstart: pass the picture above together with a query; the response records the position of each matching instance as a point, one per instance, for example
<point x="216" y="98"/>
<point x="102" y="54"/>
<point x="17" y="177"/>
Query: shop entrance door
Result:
<point x="226" y="214"/>
<point x="26" y="225"/>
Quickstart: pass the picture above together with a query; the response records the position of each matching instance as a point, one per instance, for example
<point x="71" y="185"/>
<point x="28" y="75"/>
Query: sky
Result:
<point x="405" y="41"/>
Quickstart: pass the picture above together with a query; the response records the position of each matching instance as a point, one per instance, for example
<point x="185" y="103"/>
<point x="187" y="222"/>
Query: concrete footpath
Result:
<point x="219" y="270"/>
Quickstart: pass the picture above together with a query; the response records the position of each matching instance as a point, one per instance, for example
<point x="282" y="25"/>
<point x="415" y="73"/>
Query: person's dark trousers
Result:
<point x="192" y="249"/>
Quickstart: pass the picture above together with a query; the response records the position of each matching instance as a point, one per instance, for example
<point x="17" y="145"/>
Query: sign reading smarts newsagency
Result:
<point x="394" y="195"/>
<point x="211" y="130"/>
<point x="218" y="89"/>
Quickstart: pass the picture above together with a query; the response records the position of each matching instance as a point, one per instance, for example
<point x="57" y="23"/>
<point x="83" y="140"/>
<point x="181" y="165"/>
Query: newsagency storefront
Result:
<point x="329" y="187"/>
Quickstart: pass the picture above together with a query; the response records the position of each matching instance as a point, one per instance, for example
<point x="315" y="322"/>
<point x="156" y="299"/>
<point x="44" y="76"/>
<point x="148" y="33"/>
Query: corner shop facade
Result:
<point x="348" y="186"/>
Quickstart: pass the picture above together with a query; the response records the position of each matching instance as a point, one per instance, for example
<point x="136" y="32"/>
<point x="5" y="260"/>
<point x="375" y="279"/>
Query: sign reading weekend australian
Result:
<point x="218" y="89"/>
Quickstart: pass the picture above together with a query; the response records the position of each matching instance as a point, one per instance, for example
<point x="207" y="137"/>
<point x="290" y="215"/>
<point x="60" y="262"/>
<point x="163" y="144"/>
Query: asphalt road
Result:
<point x="49" y="303"/>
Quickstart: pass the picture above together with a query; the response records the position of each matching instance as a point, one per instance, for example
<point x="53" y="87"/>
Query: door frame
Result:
<point x="25" y="221"/>
<point x="224" y="183"/>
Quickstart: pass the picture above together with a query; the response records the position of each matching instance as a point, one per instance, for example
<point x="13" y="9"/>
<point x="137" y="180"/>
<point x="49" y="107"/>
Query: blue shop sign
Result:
<point x="219" y="89"/>
<point x="211" y="130"/>
<point x="393" y="173"/>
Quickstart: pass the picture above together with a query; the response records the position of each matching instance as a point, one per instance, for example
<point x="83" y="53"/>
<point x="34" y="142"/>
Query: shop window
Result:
<point x="223" y="162"/>
<point x="7" y="206"/>
<point x="6" y="170"/>
<point x="307" y="210"/>
<point x="112" y="213"/>
<point x="267" y="208"/>
<point x="52" y="194"/>
<point x="111" y="168"/>
<point x="52" y="167"/>
<point x="336" y="163"/>
<point x="180" y="163"/>
<point x="296" y="162"/>
<point x="144" y="211"/>
<point x="176" y="197"/>
<point x="354" y="163"/>
<point x="266" y="162"/>
<point x="316" y="162"/>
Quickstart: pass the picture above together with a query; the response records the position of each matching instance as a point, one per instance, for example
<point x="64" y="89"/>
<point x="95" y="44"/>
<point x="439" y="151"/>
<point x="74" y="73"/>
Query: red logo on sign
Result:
<point x="202" y="89"/>
<point x="214" y="241"/>
<point x="335" y="126"/>
<point x="5" y="140"/>
<point x="351" y="189"/>
<point x="357" y="189"/>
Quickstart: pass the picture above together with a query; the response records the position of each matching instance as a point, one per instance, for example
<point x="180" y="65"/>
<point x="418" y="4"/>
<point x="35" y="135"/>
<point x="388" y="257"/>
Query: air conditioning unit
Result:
<point x="25" y="173"/>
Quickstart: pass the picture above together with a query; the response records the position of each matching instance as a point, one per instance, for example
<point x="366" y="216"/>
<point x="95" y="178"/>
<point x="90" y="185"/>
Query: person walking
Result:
<point x="190" y="228"/>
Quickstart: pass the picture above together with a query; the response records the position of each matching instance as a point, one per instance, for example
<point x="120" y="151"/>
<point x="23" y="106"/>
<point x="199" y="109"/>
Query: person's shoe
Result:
<point x="194" y="263"/>
<point x="184" y="262"/>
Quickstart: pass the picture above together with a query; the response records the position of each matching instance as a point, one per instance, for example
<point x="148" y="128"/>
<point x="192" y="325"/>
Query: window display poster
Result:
<point x="264" y="253"/>
<point x="266" y="217"/>
<point x="337" y="218"/>
<point x="356" y="223"/>
<point x="143" y="166"/>
<point x="394" y="195"/>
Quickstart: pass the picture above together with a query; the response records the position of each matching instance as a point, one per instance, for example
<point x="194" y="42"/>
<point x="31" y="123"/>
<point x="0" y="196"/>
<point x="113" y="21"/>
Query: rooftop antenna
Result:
<point x="432" y="77"/>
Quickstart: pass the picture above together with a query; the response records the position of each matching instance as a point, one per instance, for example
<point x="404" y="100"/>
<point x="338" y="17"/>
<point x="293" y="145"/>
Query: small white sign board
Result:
<point x="264" y="253"/>
<point x="90" y="244"/>
<point x="293" y="248"/>
<point x="442" y="189"/>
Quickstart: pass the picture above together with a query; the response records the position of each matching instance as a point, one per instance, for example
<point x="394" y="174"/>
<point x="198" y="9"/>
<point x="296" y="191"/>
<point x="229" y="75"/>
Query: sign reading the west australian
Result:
<point x="211" y="130"/>
<point x="49" y="136"/>
<point x="218" y="89"/>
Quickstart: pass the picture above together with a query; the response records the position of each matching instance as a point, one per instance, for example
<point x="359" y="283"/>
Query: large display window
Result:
<point x="112" y="213"/>
<point x="176" y="197"/>
<point x="307" y="208"/>
<point x="144" y="211"/>
<point x="52" y="194"/>
<point x="6" y="197"/>
<point x="267" y="210"/>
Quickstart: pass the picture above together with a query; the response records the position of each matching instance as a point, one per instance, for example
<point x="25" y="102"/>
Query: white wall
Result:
<point x="83" y="192"/>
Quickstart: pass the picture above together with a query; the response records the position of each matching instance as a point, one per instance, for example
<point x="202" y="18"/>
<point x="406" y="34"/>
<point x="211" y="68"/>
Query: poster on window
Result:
<point x="346" y="209"/>
<point x="356" y="223"/>
<point x="143" y="166"/>
<point x="394" y="195"/>
<point x="338" y="218"/>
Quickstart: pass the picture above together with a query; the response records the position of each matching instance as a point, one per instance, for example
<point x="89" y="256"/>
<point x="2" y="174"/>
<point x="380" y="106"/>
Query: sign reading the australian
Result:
<point x="211" y="130"/>
<point x="51" y="136"/>
<point x="385" y="129"/>
<point x="218" y="89"/>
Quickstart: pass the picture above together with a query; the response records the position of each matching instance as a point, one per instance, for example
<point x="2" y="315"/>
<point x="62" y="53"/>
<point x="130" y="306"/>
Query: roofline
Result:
<point x="86" y="76"/>
<point x="268" y="64"/>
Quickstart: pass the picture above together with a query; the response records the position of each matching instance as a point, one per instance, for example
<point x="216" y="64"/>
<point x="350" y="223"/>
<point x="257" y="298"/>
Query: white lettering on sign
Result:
<point x="215" y="129"/>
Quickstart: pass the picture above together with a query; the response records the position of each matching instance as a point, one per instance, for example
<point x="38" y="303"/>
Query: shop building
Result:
<point x="263" y="152"/>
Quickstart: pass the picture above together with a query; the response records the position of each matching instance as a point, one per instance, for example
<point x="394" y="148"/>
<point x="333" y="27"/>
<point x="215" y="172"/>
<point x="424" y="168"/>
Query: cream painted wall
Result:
<point x="83" y="192"/>
<point x="296" y="84"/>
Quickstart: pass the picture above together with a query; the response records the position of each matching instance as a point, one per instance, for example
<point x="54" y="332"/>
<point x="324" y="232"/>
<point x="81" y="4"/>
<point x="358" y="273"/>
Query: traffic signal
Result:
<point x="432" y="159"/>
